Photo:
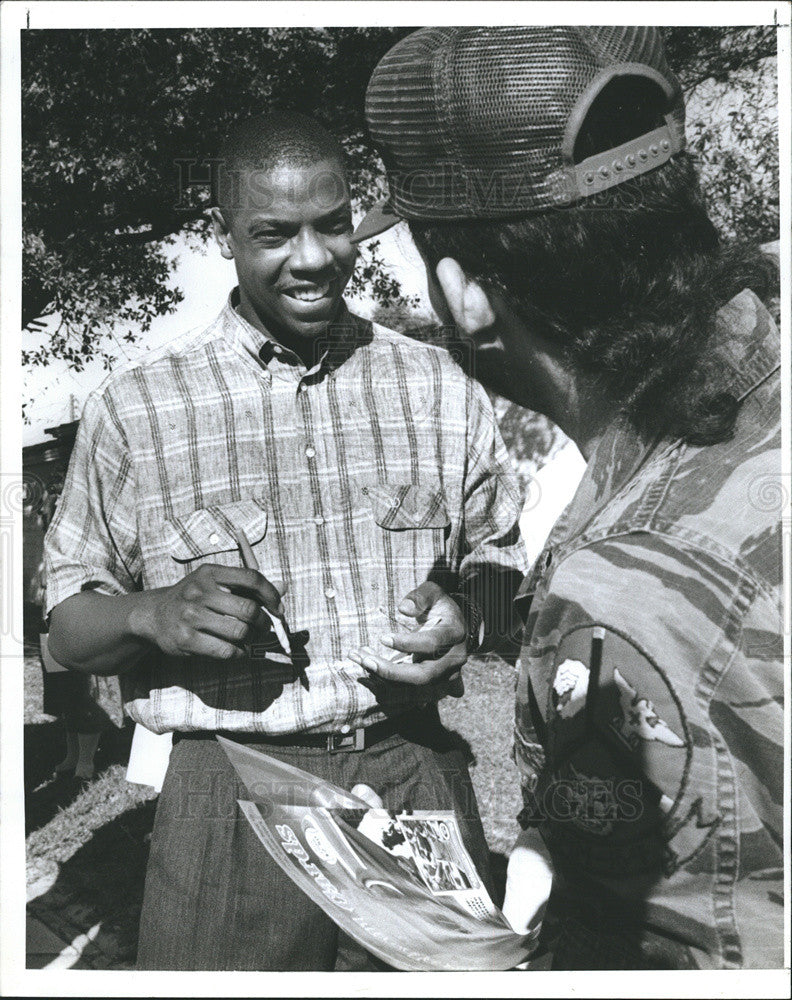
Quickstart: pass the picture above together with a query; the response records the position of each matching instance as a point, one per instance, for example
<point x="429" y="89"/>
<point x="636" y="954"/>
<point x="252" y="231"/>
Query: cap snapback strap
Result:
<point x="614" y="166"/>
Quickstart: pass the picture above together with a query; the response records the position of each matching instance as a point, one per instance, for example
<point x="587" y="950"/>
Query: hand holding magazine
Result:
<point x="403" y="886"/>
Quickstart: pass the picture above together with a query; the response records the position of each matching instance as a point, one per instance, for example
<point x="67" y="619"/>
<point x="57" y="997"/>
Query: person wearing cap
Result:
<point x="543" y="174"/>
<point x="364" y="474"/>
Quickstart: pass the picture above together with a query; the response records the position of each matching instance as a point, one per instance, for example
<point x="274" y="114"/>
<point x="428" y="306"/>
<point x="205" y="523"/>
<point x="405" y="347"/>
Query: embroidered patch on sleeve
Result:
<point x="570" y="687"/>
<point x="604" y="685"/>
<point x="617" y="724"/>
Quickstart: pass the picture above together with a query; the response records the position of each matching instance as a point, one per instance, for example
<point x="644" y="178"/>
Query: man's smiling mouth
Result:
<point x="308" y="293"/>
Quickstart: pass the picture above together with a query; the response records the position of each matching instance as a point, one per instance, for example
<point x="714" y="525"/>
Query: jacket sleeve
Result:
<point x="657" y="679"/>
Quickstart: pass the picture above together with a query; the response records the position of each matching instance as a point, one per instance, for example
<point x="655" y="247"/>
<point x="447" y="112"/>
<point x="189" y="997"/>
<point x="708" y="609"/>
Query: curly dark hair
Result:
<point x="630" y="284"/>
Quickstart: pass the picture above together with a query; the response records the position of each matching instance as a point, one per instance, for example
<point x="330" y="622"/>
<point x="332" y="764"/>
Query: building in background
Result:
<point x="44" y="468"/>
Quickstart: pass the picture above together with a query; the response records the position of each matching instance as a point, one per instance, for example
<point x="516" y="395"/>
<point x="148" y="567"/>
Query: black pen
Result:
<point x="249" y="561"/>
<point x="595" y="665"/>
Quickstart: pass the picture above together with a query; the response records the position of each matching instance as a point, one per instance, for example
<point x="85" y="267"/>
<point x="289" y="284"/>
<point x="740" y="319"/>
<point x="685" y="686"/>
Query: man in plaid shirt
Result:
<point x="368" y="474"/>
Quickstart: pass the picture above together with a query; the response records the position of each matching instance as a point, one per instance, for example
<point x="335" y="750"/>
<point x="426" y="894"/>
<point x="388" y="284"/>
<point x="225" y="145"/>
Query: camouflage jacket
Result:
<point x="649" y="727"/>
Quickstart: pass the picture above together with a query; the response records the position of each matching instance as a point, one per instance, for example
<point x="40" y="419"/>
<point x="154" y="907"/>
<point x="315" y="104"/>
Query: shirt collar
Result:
<point x="345" y="335"/>
<point x="243" y="335"/>
<point x="617" y="457"/>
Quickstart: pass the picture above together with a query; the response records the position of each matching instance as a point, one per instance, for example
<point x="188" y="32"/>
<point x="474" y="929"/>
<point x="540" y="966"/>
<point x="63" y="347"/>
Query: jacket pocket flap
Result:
<point x="400" y="506"/>
<point x="210" y="530"/>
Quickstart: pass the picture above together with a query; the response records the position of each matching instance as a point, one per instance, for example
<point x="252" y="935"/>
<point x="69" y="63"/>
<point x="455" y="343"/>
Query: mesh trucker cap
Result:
<point x="483" y="122"/>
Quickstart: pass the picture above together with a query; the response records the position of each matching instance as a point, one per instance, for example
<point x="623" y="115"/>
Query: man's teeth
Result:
<point x="309" y="294"/>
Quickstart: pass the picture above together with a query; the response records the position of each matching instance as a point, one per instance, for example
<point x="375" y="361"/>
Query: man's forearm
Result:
<point x="99" y="634"/>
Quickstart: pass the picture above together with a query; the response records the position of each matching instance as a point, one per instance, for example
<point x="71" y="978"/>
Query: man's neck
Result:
<point x="306" y="349"/>
<point x="582" y="415"/>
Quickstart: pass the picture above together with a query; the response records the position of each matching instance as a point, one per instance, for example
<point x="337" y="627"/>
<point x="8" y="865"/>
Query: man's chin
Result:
<point x="310" y="330"/>
<point x="309" y="327"/>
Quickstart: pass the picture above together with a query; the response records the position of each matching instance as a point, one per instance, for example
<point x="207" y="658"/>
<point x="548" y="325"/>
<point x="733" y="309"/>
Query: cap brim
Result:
<point x="377" y="220"/>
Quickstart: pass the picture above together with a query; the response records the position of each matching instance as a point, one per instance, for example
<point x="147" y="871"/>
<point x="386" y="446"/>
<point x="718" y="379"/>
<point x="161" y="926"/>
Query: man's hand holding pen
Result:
<point x="214" y="611"/>
<point x="276" y="615"/>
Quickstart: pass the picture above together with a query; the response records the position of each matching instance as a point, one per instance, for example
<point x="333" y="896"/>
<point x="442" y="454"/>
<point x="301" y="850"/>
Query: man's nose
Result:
<point x="310" y="252"/>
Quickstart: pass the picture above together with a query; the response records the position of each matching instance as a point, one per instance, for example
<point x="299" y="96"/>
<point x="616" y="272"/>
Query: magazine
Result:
<point x="402" y="885"/>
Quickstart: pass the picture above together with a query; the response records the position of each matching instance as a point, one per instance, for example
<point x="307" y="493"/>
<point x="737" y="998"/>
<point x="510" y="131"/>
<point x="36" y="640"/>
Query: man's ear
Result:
<point x="222" y="234"/>
<point x="469" y="303"/>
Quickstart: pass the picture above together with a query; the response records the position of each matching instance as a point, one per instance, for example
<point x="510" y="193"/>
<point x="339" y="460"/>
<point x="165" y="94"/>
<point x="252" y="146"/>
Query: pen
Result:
<point x="249" y="561"/>
<point x="595" y="665"/>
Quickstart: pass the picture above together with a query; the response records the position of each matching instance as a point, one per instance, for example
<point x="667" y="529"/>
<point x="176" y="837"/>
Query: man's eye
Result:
<point x="270" y="239"/>
<point x="339" y="226"/>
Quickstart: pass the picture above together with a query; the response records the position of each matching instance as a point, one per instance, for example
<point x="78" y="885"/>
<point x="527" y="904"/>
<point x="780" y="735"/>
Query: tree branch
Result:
<point x="165" y="228"/>
<point x="708" y="74"/>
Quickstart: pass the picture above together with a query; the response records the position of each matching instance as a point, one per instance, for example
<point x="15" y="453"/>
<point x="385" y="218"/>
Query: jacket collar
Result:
<point x="750" y="344"/>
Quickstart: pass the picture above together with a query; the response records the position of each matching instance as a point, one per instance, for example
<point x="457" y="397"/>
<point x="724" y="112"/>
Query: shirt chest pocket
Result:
<point x="207" y="535"/>
<point x="410" y="526"/>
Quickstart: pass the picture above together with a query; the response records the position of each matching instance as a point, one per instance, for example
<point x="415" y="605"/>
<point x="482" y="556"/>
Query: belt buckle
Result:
<point x="346" y="742"/>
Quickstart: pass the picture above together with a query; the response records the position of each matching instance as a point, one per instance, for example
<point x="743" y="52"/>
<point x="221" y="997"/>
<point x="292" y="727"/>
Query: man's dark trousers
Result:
<point x="215" y="899"/>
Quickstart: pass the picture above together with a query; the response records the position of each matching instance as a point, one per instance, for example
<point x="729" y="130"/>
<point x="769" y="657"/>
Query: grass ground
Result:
<point x="87" y="846"/>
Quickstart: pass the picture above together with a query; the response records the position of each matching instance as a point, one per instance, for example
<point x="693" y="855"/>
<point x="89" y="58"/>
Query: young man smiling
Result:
<point x="362" y="467"/>
<point x="286" y="225"/>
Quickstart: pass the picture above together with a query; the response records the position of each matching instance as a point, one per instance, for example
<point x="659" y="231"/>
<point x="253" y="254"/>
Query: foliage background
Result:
<point x="114" y="121"/>
<point x="108" y="115"/>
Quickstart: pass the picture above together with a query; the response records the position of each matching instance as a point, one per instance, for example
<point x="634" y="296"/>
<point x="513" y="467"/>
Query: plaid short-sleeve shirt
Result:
<point x="355" y="481"/>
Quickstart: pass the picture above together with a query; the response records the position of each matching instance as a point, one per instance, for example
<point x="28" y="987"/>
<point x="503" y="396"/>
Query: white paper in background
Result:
<point x="148" y="758"/>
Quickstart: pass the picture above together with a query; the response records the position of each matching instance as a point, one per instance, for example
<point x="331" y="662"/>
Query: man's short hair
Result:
<point x="265" y="142"/>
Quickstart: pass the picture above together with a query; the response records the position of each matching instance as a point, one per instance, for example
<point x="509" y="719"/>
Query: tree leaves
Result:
<point x="108" y="115"/>
<point x="696" y="54"/>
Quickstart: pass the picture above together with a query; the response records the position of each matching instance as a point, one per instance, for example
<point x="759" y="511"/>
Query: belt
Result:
<point x="344" y="740"/>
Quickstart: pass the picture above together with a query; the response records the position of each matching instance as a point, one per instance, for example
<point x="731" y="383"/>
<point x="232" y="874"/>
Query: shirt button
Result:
<point x="310" y="452"/>
<point x="330" y="593"/>
<point x="395" y="502"/>
<point x="319" y="519"/>
<point x="214" y="538"/>
<point x="346" y="727"/>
